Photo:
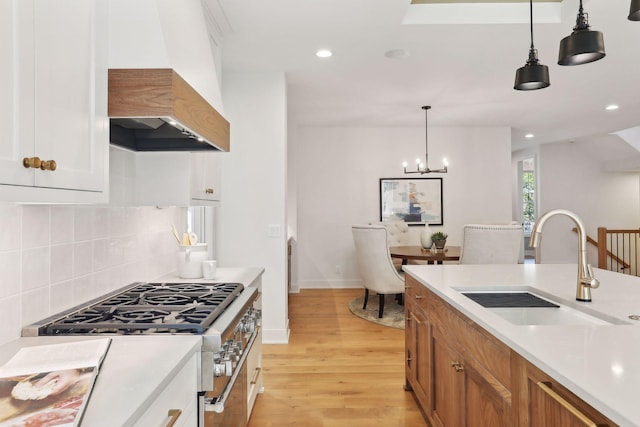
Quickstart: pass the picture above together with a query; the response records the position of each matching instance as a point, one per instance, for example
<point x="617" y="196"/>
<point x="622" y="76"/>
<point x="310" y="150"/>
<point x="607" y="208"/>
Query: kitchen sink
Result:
<point x="523" y="307"/>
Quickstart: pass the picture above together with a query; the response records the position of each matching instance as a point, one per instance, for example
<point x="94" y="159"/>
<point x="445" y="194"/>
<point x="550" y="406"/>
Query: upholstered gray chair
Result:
<point x="374" y="263"/>
<point x="492" y="244"/>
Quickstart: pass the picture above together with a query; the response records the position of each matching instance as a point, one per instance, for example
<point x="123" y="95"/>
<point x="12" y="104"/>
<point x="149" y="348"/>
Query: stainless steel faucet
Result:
<point x="586" y="280"/>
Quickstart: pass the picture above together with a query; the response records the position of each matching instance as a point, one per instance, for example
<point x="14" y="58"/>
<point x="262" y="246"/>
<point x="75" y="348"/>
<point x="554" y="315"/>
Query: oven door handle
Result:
<point x="218" y="405"/>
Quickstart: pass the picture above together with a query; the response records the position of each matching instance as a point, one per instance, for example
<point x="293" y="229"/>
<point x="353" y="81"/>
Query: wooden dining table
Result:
<point x="436" y="256"/>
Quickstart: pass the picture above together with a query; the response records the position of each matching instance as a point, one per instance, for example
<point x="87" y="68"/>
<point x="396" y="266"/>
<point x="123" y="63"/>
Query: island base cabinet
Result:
<point x="463" y="376"/>
<point x="463" y="394"/>
<point x="418" y="335"/>
<point x="545" y="403"/>
<point x="459" y="375"/>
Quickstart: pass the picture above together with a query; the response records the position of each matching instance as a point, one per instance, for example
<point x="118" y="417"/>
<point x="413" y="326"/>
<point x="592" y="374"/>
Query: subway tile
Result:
<point x="61" y="263"/>
<point x="62" y="224"/>
<point x="62" y="296"/>
<point x="10" y="221"/>
<point x="35" y="305"/>
<point x="35" y="226"/>
<point x="82" y="258"/>
<point x="83" y="223"/>
<point x="101" y="223"/>
<point x="9" y="273"/>
<point x="35" y="268"/>
<point x="10" y="323"/>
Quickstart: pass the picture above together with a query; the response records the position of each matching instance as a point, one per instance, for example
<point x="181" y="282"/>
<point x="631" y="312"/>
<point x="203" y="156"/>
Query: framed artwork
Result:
<point x="416" y="201"/>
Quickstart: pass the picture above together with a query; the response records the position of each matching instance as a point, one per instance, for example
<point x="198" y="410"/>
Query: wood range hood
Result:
<point x="154" y="109"/>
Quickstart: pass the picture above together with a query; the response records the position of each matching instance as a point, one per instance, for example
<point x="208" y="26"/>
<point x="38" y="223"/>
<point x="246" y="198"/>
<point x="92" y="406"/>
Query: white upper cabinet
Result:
<point x="177" y="179"/>
<point x="57" y="108"/>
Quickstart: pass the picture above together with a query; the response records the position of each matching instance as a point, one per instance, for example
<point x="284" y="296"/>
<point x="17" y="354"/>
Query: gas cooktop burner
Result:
<point x="166" y="299"/>
<point x="150" y="308"/>
<point x="141" y="316"/>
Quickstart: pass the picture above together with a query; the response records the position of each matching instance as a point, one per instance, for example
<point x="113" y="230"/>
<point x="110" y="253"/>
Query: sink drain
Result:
<point x="634" y="316"/>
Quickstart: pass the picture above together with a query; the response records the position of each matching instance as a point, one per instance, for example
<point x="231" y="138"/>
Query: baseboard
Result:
<point x="276" y="336"/>
<point x="329" y="284"/>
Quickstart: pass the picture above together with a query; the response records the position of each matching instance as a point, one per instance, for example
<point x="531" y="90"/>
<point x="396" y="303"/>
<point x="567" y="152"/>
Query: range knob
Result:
<point x="248" y="325"/>
<point x="219" y="368"/>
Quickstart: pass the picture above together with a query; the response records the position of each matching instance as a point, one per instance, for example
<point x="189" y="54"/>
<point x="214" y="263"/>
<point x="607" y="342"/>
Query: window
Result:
<point x="528" y="193"/>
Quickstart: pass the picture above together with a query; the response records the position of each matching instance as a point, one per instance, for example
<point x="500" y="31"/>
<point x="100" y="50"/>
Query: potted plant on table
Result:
<point x="439" y="239"/>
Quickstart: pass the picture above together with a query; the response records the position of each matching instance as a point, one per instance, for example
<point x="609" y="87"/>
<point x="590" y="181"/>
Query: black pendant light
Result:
<point x="533" y="75"/>
<point x="583" y="45"/>
<point x="634" y="11"/>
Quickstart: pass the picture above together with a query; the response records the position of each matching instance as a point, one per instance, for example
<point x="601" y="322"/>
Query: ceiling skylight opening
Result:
<point x="611" y="107"/>
<point x="324" y="53"/>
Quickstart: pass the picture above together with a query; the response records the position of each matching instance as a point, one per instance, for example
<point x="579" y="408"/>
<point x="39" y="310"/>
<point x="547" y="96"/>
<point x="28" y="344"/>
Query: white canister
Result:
<point x="190" y="259"/>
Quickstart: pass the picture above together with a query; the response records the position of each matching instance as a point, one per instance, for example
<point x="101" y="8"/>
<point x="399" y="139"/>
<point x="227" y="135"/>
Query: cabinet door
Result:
<point x="487" y="402"/>
<point x="448" y="384"/>
<point x="16" y="81"/>
<point x="70" y="75"/>
<point x="205" y="177"/>
<point x="418" y="359"/>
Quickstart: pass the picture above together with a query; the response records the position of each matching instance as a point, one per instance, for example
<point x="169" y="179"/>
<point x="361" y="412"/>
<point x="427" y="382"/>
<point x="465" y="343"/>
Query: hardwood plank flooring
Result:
<point x="337" y="370"/>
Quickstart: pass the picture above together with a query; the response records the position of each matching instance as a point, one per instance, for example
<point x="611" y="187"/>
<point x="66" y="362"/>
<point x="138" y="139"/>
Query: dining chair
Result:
<point x="492" y="244"/>
<point x="374" y="264"/>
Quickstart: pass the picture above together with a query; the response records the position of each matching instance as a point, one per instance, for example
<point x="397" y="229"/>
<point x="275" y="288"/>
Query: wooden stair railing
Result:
<point x="603" y="252"/>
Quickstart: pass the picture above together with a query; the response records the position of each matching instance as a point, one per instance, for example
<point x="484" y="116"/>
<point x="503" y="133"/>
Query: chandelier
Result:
<point x="423" y="168"/>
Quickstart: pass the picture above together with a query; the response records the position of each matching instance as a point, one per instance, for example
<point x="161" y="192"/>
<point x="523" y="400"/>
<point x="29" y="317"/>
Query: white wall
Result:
<point x="338" y="172"/>
<point x="55" y="257"/>
<point x="571" y="179"/>
<point x="254" y="183"/>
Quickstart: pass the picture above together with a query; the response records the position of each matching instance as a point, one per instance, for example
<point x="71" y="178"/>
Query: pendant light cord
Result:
<point x="531" y="20"/>
<point x="426" y="137"/>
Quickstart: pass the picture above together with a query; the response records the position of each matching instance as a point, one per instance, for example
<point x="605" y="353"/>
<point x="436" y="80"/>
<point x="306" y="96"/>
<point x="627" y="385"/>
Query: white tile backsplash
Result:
<point x="35" y="226"/>
<point x="35" y="268"/>
<point x="61" y="263"/>
<point x="9" y="273"/>
<point x="10" y="220"/>
<point x="62" y="224"/>
<point x="10" y="319"/>
<point x="55" y="257"/>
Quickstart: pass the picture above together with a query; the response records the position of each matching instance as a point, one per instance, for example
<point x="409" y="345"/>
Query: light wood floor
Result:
<point x="337" y="370"/>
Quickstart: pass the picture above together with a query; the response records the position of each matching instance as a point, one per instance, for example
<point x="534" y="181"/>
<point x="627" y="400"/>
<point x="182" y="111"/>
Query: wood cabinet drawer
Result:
<point x="415" y="292"/>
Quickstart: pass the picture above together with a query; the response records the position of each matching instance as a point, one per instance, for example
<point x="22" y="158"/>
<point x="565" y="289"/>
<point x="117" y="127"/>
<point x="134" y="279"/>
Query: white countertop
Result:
<point x="599" y="363"/>
<point x="135" y="371"/>
<point x="247" y="276"/>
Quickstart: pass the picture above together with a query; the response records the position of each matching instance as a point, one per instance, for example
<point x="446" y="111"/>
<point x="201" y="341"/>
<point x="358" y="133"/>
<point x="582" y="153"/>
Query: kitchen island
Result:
<point x="598" y="362"/>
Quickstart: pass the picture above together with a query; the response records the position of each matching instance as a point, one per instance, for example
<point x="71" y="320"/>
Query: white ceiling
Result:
<point x="465" y="72"/>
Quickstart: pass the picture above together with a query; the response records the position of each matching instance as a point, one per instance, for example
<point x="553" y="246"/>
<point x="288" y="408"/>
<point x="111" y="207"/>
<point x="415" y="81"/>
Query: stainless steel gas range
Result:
<point x="222" y="313"/>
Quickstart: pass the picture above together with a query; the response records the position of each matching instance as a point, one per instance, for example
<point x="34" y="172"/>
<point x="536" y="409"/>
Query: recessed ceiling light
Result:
<point x="529" y="135"/>
<point x="324" y="53"/>
<point x="612" y="107"/>
<point x="396" y="53"/>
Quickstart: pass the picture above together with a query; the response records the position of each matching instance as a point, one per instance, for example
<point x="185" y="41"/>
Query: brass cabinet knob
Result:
<point x="209" y="190"/>
<point x="36" y="163"/>
<point x="48" y="165"/>
<point x="457" y="366"/>
<point x="31" y="162"/>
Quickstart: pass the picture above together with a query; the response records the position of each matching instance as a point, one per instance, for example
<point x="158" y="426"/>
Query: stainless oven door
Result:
<point x="234" y="412"/>
<point x="230" y="408"/>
